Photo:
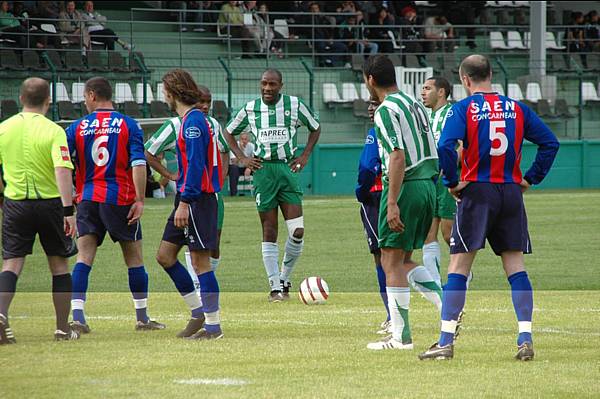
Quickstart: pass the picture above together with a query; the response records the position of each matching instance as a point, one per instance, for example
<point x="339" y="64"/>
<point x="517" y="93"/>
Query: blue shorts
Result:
<point x="201" y="233"/>
<point x="491" y="211"/>
<point x="98" y="218"/>
<point x="369" y="214"/>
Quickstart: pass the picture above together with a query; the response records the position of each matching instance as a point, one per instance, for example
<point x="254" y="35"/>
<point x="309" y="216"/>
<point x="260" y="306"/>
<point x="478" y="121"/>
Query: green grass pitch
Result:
<point x="294" y="350"/>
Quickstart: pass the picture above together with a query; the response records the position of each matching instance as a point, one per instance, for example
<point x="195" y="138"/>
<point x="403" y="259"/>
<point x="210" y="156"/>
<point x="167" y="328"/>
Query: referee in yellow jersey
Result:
<point x="37" y="169"/>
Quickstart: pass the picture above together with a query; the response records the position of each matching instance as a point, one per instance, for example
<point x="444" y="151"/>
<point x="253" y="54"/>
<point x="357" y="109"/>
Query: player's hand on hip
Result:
<point x="456" y="190"/>
<point x="182" y="215"/>
<point x="70" y="226"/>
<point x="393" y="218"/>
<point x="251" y="163"/>
<point x="135" y="212"/>
<point x="298" y="164"/>
<point x="524" y="185"/>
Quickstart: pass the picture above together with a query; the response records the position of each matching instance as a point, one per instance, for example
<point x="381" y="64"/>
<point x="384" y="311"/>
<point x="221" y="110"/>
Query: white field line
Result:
<point x="542" y="330"/>
<point x="205" y="381"/>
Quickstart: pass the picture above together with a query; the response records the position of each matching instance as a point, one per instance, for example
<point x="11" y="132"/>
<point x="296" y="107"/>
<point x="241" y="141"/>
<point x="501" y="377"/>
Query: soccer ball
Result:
<point x="314" y="291"/>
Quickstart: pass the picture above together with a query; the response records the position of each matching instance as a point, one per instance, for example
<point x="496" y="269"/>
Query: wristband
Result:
<point x="68" y="210"/>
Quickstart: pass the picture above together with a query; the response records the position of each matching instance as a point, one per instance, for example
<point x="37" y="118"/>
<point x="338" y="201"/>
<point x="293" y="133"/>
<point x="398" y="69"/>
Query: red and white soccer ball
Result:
<point x="314" y="291"/>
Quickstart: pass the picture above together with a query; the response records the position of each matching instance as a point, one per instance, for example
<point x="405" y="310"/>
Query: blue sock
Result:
<point x="80" y="276"/>
<point x="522" y="297"/>
<point x="453" y="301"/>
<point x="138" y="284"/>
<point x="382" y="290"/>
<point x="185" y="285"/>
<point x="209" y="292"/>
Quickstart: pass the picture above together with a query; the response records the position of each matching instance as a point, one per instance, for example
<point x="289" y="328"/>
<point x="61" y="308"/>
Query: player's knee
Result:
<point x="295" y="227"/>
<point x="164" y="260"/>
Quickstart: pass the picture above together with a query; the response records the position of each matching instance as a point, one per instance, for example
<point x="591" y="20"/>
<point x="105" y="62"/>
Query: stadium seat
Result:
<point x="357" y="62"/>
<point x="158" y="109"/>
<point x="514" y="91"/>
<point x="133" y="64"/>
<point x="132" y="109"/>
<point x="497" y="41"/>
<point x="74" y="61"/>
<point x="558" y="62"/>
<point x="360" y="108"/>
<point x="9" y="60"/>
<point x="593" y="61"/>
<point x="96" y="62"/>
<point x="514" y="41"/>
<point x="533" y="92"/>
<point x="55" y="59"/>
<point x="159" y="92"/>
<point x="532" y="106"/>
<point x="349" y="93"/>
<point x="8" y="108"/>
<point x="458" y="92"/>
<point x="116" y="62"/>
<point x="281" y="26"/>
<point x="497" y="87"/>
<point x="77" y="92"/>
<point x="432" y="60"/>
<point x="139" y="93"/>
<point x="408" y="89"/>
<point x="589" y="92"/>
<point x="66" y="111"/>
<point x="562" y="108"/>
<point x="543" y="109"/>
<point x="395" y="44"/>
<point x="551" y="42"/>
<point x="396" y="59"/>
<point x="412" y="61"/>
<point x="364" y="92"/>
<point x="330" y="94"/>
<point x="31" y="60"/>
<point x="123" y="93"/>
<point x="61" y="92"/>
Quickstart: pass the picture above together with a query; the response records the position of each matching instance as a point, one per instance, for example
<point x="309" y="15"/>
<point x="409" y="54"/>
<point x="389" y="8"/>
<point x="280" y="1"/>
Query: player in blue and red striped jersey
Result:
<point x="489" y="191"/>
<point x="108" y="151"/>
<point x="193" y="221"/>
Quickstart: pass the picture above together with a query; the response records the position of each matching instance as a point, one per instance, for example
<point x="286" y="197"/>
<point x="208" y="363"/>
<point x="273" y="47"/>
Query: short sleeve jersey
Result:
<point x="274" y="127"/>
<point x="31" y="147"/>
<point x="401" y="123"/>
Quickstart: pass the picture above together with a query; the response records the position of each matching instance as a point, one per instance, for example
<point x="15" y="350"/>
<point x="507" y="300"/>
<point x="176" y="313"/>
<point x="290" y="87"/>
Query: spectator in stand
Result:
<point x="576" y="36"/>
<point x="333" y="52"/>
<point x="10" y="26"/>
<point x="345" y="8"/>
<point x="231" y="14"/>
<point x="354" y="32"/>
<point x="292" y="12"/>
<point x="463" y="13"/>
<point x="273" y="38"/>
<point x="258" y="31"/>
<point x="410" y="35"/>
<point x="439" y="33"/>
<point x="43" y="30"/>
<point x="72" y="26"/>
<point x="95" y="23"/>
<point x="379" y="35"/>
<point x="236" y="168"/>
<point x="184" y="17"/>
<point x="592" y="31"/>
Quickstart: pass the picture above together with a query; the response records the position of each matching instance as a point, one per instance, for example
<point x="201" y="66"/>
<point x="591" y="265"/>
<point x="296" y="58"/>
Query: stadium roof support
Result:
<point x="537" y="26"/>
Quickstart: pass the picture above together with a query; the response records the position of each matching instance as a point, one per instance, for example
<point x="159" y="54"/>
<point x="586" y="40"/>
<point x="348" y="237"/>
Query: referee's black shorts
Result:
<point x="22" y="220"/>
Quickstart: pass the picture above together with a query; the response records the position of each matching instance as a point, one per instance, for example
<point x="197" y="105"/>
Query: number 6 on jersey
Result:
<point x="100" y="154"/>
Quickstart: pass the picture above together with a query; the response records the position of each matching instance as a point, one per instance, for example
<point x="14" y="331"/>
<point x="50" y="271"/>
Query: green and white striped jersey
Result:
<point x="165" y="138"/>
<point x="274" y="127"/>
<point x="437" y="119"/>
<point x="401" y="123"/>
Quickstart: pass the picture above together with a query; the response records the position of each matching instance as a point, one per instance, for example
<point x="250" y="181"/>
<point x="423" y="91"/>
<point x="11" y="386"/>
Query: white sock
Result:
<point x="422" y="282"/>
<point x="191" y="270"/>
<point x="193" y="300"/>
<point x="432" y="258"/>
<point x="77" y="304"/>
<point x="213" y="318"/>
<point x="214" y="263"/>
<point x="293" y="249"/>
<point x="398" y="302"/>
<point x="270" y="253"/>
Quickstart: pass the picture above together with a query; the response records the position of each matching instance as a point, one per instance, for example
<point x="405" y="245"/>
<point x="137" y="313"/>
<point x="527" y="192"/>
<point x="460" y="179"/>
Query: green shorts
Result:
<point x="220" y="211"/>
<point x="274" y="184"/>
<point x="416" y="203"/>
<point x="445" y="207"/>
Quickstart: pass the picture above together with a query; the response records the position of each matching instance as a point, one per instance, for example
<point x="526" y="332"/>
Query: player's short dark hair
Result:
<point x="441" y="83"/>
<point x="100" y="86"/>
<point x="381" y="68"/>
<point x="476" y="67"/>
<point x="34" y="92"/>
<point x="276" y="72"/>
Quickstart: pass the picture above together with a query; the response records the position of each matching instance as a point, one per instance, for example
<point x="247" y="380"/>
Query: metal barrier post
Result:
<point x="145" y="76"/>
<point x="505" y="72"/>
<point x="229" y="83"/>
<point x="48" y="61"/>
<point x="311" y="83"/>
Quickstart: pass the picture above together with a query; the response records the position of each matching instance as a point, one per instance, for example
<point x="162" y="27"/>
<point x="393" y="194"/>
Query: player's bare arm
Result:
<point x="252" y="163"/>
<point x="396" y="177"/>
<point x="64" y="182"/>
<point x="157" y="165"/>
<point x="139" y="181"/>
<point x="299" y="163"/>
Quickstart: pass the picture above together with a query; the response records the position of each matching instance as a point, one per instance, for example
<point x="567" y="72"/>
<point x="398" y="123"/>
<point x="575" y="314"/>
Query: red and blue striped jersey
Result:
<point x="105" y="145"/>
<point x="197" y="157"/>
<point x="492" y="128"/>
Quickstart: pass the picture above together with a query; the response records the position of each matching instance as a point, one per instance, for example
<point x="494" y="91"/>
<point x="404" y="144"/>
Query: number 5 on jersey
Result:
<point x="496" y="134"/>
<point x="100" y="154"/>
